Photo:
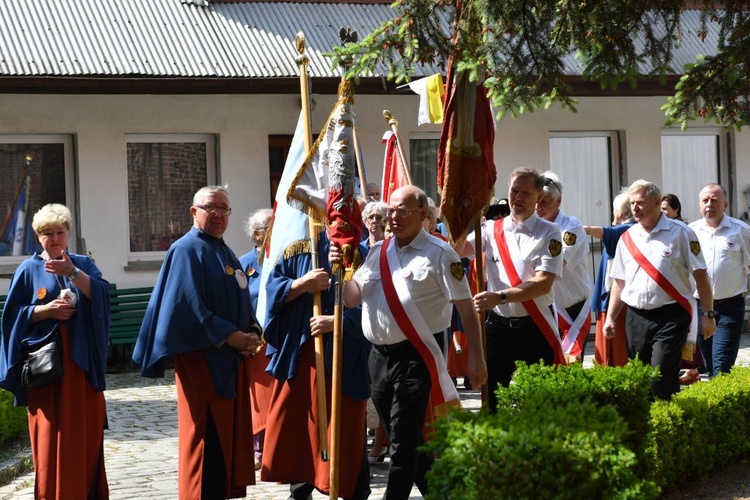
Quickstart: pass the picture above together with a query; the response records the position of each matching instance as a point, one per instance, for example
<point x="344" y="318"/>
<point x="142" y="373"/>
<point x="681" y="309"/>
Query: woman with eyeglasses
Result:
<point x="57" y="293"/>
<point x="375" y="217"/>
<point x="261" y="382"/>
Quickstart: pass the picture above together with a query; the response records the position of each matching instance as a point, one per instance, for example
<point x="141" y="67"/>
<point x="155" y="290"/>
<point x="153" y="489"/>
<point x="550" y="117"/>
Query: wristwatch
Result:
<point x="74" y="274"/>
<point x="709" y="314"/>
<point x="503" y="298"/>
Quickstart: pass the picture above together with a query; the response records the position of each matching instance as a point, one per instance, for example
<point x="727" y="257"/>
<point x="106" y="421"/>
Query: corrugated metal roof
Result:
<point x="180" y="38"/>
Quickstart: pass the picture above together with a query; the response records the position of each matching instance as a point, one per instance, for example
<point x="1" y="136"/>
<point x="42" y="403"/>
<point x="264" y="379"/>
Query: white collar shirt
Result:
<point x="669" y="242"/>
<point x="535" y="237"/>
<point x="726" y="250"/>
<point x="428" y="265"/>
<point x="575" y="284"/>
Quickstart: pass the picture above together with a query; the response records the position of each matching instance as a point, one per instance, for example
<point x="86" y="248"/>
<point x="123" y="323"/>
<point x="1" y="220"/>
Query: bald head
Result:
<point x="407" y="208"/>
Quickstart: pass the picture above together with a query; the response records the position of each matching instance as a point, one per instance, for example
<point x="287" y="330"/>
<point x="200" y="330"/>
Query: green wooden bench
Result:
<point x="127" y="308"/>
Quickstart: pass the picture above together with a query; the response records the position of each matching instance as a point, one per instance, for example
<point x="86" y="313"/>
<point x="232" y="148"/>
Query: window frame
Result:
<point x="9" y="263"/>
<point x="421" y="136"/>
<point x="212" y="178"/>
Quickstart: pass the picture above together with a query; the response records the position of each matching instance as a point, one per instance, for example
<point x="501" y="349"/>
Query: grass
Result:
<point x="10" y="449"/>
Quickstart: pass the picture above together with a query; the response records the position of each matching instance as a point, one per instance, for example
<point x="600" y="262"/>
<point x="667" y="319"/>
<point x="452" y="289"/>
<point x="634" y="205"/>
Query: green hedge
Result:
<point x="13" y="420"/>
<point x="559" y="433"/>
<point x="701" y="428"/>
<point x="572" y="433"/>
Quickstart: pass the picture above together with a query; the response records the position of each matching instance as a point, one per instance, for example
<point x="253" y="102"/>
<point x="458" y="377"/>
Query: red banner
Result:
<point x="393" y="170"/>
<point x="466" y="169"/>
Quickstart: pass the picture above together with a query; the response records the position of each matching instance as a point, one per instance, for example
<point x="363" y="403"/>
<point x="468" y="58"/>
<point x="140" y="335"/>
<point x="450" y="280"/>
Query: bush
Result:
<point x="708" y="422"/>
<point x="627" y="389"/>
<point x="559" y="433"/>
<point x="13" y="420"/>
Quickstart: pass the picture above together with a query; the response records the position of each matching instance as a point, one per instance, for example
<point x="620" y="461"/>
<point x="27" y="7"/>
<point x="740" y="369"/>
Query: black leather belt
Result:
<point x="728" y="299"/>
<point x="518" y="322"/>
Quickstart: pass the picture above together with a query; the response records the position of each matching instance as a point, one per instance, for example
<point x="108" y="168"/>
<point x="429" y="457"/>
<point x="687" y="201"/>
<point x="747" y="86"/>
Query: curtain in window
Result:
<point x="689" y="162"/>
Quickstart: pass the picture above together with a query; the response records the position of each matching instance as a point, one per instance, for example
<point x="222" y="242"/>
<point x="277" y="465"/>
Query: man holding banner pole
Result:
<point x="523" y="255"/>
<point x="407" y="286"/>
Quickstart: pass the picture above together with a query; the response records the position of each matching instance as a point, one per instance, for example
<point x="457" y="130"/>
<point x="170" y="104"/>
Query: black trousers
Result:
<point x="656" y="337"/>
<point x="400" y="385"/>
<point x="508" y="341"/>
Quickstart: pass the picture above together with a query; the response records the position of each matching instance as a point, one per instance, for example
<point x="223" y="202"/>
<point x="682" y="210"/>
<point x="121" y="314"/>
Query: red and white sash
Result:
<point x="412" y="323"/>
<point x="513" y="265"/>
<point x="575" y="332"/>
<point x="664" y="276"/>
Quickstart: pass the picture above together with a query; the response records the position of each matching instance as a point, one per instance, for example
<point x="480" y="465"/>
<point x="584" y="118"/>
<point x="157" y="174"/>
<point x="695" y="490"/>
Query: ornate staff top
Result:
<point x="299" y="42"/>
<point x="388" y="117"/>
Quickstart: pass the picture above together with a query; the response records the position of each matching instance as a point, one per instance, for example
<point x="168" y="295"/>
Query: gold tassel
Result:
<point x="688" y="351"/>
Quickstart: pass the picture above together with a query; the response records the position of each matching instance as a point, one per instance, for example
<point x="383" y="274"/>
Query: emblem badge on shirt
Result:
<point x="229" y="269"/>
<point x="41" y="293"/>
<point x="241" y="278"/>
<point x="251" y="271"/>
<point x="555" y="247"/>
<point x="457" y="270"/>
<point x="731" y="242"/>
<point x="667" y="251"/>
<point x="695" y="247"/>
<point x="569" y="238"/>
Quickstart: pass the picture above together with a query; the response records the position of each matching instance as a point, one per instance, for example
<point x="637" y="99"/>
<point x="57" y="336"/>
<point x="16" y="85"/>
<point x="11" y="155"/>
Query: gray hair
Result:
<point x="621" y="205"/>
<point x="650" y="189"/>
<point x="432" y="210"/>
<point x="206" y="190"/>
<point x="375" y="207"/>
<point x="52" y="214"/>
<point x="552" y="185"/>
<point x="258" y="221"/>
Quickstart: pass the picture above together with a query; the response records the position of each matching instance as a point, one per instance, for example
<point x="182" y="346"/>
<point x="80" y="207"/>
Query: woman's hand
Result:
<point x="61" y="267"/>
<point x="58" y="309"/>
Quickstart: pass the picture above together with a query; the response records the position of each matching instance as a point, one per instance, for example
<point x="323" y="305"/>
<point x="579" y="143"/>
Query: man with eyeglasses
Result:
<point x="407" y="286"/>
<point x="523" y="255"/>
<point x="573" y="291"/>
<point x="200" y="316"/>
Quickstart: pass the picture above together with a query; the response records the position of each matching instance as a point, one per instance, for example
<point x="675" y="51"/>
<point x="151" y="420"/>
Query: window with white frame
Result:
<point x="164" y="172"/>
<point x="36" y="170"/>
<point x="586" y="163"/>
<point x="423" y="150"/>
<point x="689" y="161"/>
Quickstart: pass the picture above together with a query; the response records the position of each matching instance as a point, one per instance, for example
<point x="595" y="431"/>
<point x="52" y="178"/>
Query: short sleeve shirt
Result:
<point x="678" y="247"/>
<point x="575" y="285"/>
<point x="726" y="250"/>
<point x="431" y="270"/>
<point x="537" y="240"/>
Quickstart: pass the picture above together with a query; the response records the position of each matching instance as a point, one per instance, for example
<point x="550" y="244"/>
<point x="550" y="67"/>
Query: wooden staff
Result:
<point x="346" y="36"/>
<point x="479" y="263"/>
<point x="393" y="122"/>
<point x="320" y="369"/>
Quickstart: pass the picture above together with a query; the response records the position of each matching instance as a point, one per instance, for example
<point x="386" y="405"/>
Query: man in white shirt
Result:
<point x="725" y="243"/>
<point x="573" y="290"/>
<point x="523" y="255"/>
<point x="407" y="286"/>
<point x="651" y="271"/>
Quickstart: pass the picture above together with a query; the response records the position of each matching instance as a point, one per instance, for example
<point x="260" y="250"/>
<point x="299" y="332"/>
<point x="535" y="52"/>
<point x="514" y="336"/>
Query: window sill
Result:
<point x="144" y="265"/>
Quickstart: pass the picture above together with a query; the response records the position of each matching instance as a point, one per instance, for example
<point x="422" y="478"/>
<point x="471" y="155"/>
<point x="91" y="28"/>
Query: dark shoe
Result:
<point x="376" y="460"/>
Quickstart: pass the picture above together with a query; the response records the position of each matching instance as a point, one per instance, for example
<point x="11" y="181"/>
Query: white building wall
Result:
<point x="242" y="123"/>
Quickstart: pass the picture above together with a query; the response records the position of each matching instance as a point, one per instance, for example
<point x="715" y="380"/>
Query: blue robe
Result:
<point x="197" y="303"/>
<point x="252" y="270"/>
<point x="88" y="328"/>
<point x="288" y="325"/>
<point x="610" y="237"/>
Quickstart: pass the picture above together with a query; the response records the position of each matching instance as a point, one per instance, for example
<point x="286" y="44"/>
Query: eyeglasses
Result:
<point x="401" y="211"/>
<point x="213" y="209"/>
<point x="375" y="217"/>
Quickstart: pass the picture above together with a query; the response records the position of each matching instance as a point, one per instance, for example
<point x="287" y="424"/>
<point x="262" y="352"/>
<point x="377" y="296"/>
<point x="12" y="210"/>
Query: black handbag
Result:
<point x="43" y="365"/>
